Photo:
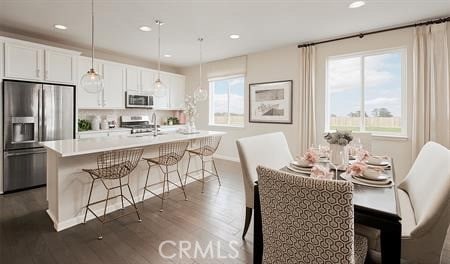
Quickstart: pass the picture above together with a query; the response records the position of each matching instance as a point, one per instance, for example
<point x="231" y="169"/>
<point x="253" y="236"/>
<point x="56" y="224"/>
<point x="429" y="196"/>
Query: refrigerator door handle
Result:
<point x="40" y="114"/>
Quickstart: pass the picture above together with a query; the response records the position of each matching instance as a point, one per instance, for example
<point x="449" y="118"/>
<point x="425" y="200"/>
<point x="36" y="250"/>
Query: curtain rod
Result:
<point x="361" y="35"/>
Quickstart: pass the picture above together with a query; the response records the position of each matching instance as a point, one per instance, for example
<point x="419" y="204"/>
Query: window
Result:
<point x="370" y="83"/>
<point x="226" y="101"/>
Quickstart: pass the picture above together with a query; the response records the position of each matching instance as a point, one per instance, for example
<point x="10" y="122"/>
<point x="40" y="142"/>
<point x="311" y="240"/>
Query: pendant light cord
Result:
<point x="201" y="61"/>
<point x="159" y="49"/>
<point x="92" y="33"/>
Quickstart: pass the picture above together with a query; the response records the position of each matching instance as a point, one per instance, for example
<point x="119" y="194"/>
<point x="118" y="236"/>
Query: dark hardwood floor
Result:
<point x="214" y="218"/>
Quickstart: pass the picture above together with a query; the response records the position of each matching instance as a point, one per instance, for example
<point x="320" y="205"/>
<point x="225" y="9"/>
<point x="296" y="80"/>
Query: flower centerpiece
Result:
<point x="190" y="110"/>
<point x="338" y="146"/>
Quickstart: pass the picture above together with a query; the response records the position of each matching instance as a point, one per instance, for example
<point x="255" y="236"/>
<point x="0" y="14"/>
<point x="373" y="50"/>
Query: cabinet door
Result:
<point x="59" y="67"/>
<point x="177" y="92"/>
<point x="22" y="61"/>
<point x="113" y="93"/>
<point x="119" y="133"/>
<point x="93" y="135"/>
<point x="147" y="79"/>
<point x="84" y="99"/>
<point x="162" y="101"/>
<point x="132" y="79"/>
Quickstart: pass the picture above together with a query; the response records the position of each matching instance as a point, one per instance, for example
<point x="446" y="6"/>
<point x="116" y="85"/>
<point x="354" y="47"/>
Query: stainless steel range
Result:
<point x="138" y="124"/>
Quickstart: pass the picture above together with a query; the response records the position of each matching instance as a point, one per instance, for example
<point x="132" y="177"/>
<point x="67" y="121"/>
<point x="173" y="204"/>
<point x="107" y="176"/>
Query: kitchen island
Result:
<point x="68" y="186"/>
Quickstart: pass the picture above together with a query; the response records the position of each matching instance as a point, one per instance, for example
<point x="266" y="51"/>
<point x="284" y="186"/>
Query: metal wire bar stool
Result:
<point x="113" y="166"/>
<point x="207" y="148"/>
<point x="169" y="155"/>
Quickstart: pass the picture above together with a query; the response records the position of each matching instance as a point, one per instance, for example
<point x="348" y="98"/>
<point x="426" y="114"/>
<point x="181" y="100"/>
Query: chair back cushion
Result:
<point x="270" y="150"/>
<point x="305" y="220"/>
<point x="428" y="186"/>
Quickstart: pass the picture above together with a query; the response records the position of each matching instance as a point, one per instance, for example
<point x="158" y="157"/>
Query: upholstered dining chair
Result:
<point x="424" y="205"/>
<point x="308" y="220"/>
<point x="270" y="150"/>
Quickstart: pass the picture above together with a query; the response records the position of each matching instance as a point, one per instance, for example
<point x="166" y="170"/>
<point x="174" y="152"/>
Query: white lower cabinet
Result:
<point x="104" y="133"/>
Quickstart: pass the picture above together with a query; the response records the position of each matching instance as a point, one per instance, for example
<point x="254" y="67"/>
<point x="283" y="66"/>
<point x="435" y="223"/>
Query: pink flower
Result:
<point x="321" y="172"/>
<point x="357" y="168"/>
<point x="310" y="156"/>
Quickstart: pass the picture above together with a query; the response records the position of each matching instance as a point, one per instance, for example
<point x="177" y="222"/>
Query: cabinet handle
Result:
<point x="46" y="74"/>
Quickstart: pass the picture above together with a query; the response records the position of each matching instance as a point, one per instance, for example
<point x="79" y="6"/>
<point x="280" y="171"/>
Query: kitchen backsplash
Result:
<point x="114" y="114"/>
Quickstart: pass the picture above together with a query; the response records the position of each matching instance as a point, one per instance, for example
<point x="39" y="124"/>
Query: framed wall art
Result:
<point x="270" y="102"/>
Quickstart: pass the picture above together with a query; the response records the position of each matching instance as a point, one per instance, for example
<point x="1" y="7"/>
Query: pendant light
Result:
<point x="92" y="82"/>
<point x="200" y="94"/>
<point x="159" y="87"/>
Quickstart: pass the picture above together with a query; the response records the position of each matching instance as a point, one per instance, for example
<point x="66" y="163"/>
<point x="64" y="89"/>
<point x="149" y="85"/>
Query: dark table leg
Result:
<point x="390" y="240"/>
<point x="257" y="226"/>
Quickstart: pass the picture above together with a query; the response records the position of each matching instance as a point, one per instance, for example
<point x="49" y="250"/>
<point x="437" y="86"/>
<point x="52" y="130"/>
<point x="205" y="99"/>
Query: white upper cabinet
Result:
<point x="147" y="79"/>
<point x="162" y="101"/>
<point x="36" y="62"/>
<point x="84" y="99"/>
<point x="133" y="79"/>
<point x="60" y="67"/>
<point x="177" y="92"/>
<point x="114" y="83"/>
<point x="23" y="61"/>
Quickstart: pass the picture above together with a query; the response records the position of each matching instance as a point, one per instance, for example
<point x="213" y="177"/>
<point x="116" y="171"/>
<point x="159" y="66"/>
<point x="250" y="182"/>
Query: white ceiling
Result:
<point x="262" y="24"/>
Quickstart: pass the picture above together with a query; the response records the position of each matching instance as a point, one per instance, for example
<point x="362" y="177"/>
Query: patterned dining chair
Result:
<point x="270" y="150"/>
<point x="307" y="220"/>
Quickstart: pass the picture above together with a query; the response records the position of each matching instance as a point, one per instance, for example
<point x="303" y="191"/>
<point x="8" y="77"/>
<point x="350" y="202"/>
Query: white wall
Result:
<point x="283" y="64"/>
<point x="275" y="65"/>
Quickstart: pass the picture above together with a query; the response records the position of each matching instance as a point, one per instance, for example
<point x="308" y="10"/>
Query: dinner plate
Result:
<point x="369" y="183"/>
<point x="381" y="164"/>
<point x="299" y="170"/>
<point x="381" y="180"/>
<point x="295" y="163"/>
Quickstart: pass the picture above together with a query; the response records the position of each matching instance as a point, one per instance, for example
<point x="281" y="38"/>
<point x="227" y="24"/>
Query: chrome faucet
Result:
<point x="155" y="126"/>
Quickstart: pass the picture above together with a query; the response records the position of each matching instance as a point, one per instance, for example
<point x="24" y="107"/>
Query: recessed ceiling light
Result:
<point x="234" y="36"/>
<point x="62" y="27"/>
<point x="356" y="4"/>
<point x="167" y="55"/>
<point x="145" y="28"/>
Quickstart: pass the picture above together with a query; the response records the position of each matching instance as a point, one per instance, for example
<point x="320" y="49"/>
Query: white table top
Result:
<point x="75" y="147"/>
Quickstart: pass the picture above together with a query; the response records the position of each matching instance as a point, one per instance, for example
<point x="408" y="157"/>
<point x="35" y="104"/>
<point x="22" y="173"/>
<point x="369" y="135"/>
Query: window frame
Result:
<point x="362" y="126"/>
<point x="211" y="87"/>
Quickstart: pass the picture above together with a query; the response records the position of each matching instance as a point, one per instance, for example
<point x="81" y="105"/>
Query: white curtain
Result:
<point x="307" y="119"/>
<point x="431" y="87"/>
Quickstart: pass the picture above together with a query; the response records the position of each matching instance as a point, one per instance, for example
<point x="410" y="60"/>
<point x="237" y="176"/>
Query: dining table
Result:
<point x="373" y="206"/>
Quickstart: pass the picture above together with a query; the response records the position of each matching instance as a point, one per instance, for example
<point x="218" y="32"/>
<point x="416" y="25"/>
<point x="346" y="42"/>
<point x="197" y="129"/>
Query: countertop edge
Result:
<point x="136" y="145"/>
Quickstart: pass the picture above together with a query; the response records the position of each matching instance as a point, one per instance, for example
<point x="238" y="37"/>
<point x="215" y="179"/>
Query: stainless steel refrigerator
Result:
<point x="33" y="112"/>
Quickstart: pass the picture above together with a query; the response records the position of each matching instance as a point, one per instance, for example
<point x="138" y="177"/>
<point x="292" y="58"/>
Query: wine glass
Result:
<point x="336" y="164"/>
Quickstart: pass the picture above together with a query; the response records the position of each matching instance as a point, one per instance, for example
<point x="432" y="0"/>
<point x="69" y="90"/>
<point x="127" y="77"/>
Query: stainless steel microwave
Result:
<point x="138" y="100"/>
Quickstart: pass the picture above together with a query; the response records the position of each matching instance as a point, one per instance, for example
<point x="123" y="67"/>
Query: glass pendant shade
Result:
<point x="159" y="88"/>
<point x="92" y="82"/>
<point x="200" y="94"/>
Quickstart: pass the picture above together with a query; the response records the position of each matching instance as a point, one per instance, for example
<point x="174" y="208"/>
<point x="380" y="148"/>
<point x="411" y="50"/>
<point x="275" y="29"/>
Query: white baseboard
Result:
<point x="59" y="226"/>
<point x="228" y="158"/>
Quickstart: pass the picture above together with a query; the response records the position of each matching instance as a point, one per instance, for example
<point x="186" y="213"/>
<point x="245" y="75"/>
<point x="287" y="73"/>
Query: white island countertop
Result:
<point x="75" y="147"/>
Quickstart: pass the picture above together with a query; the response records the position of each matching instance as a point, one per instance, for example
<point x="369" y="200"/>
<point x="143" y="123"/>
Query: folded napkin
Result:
<point x="321" y="172"/>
